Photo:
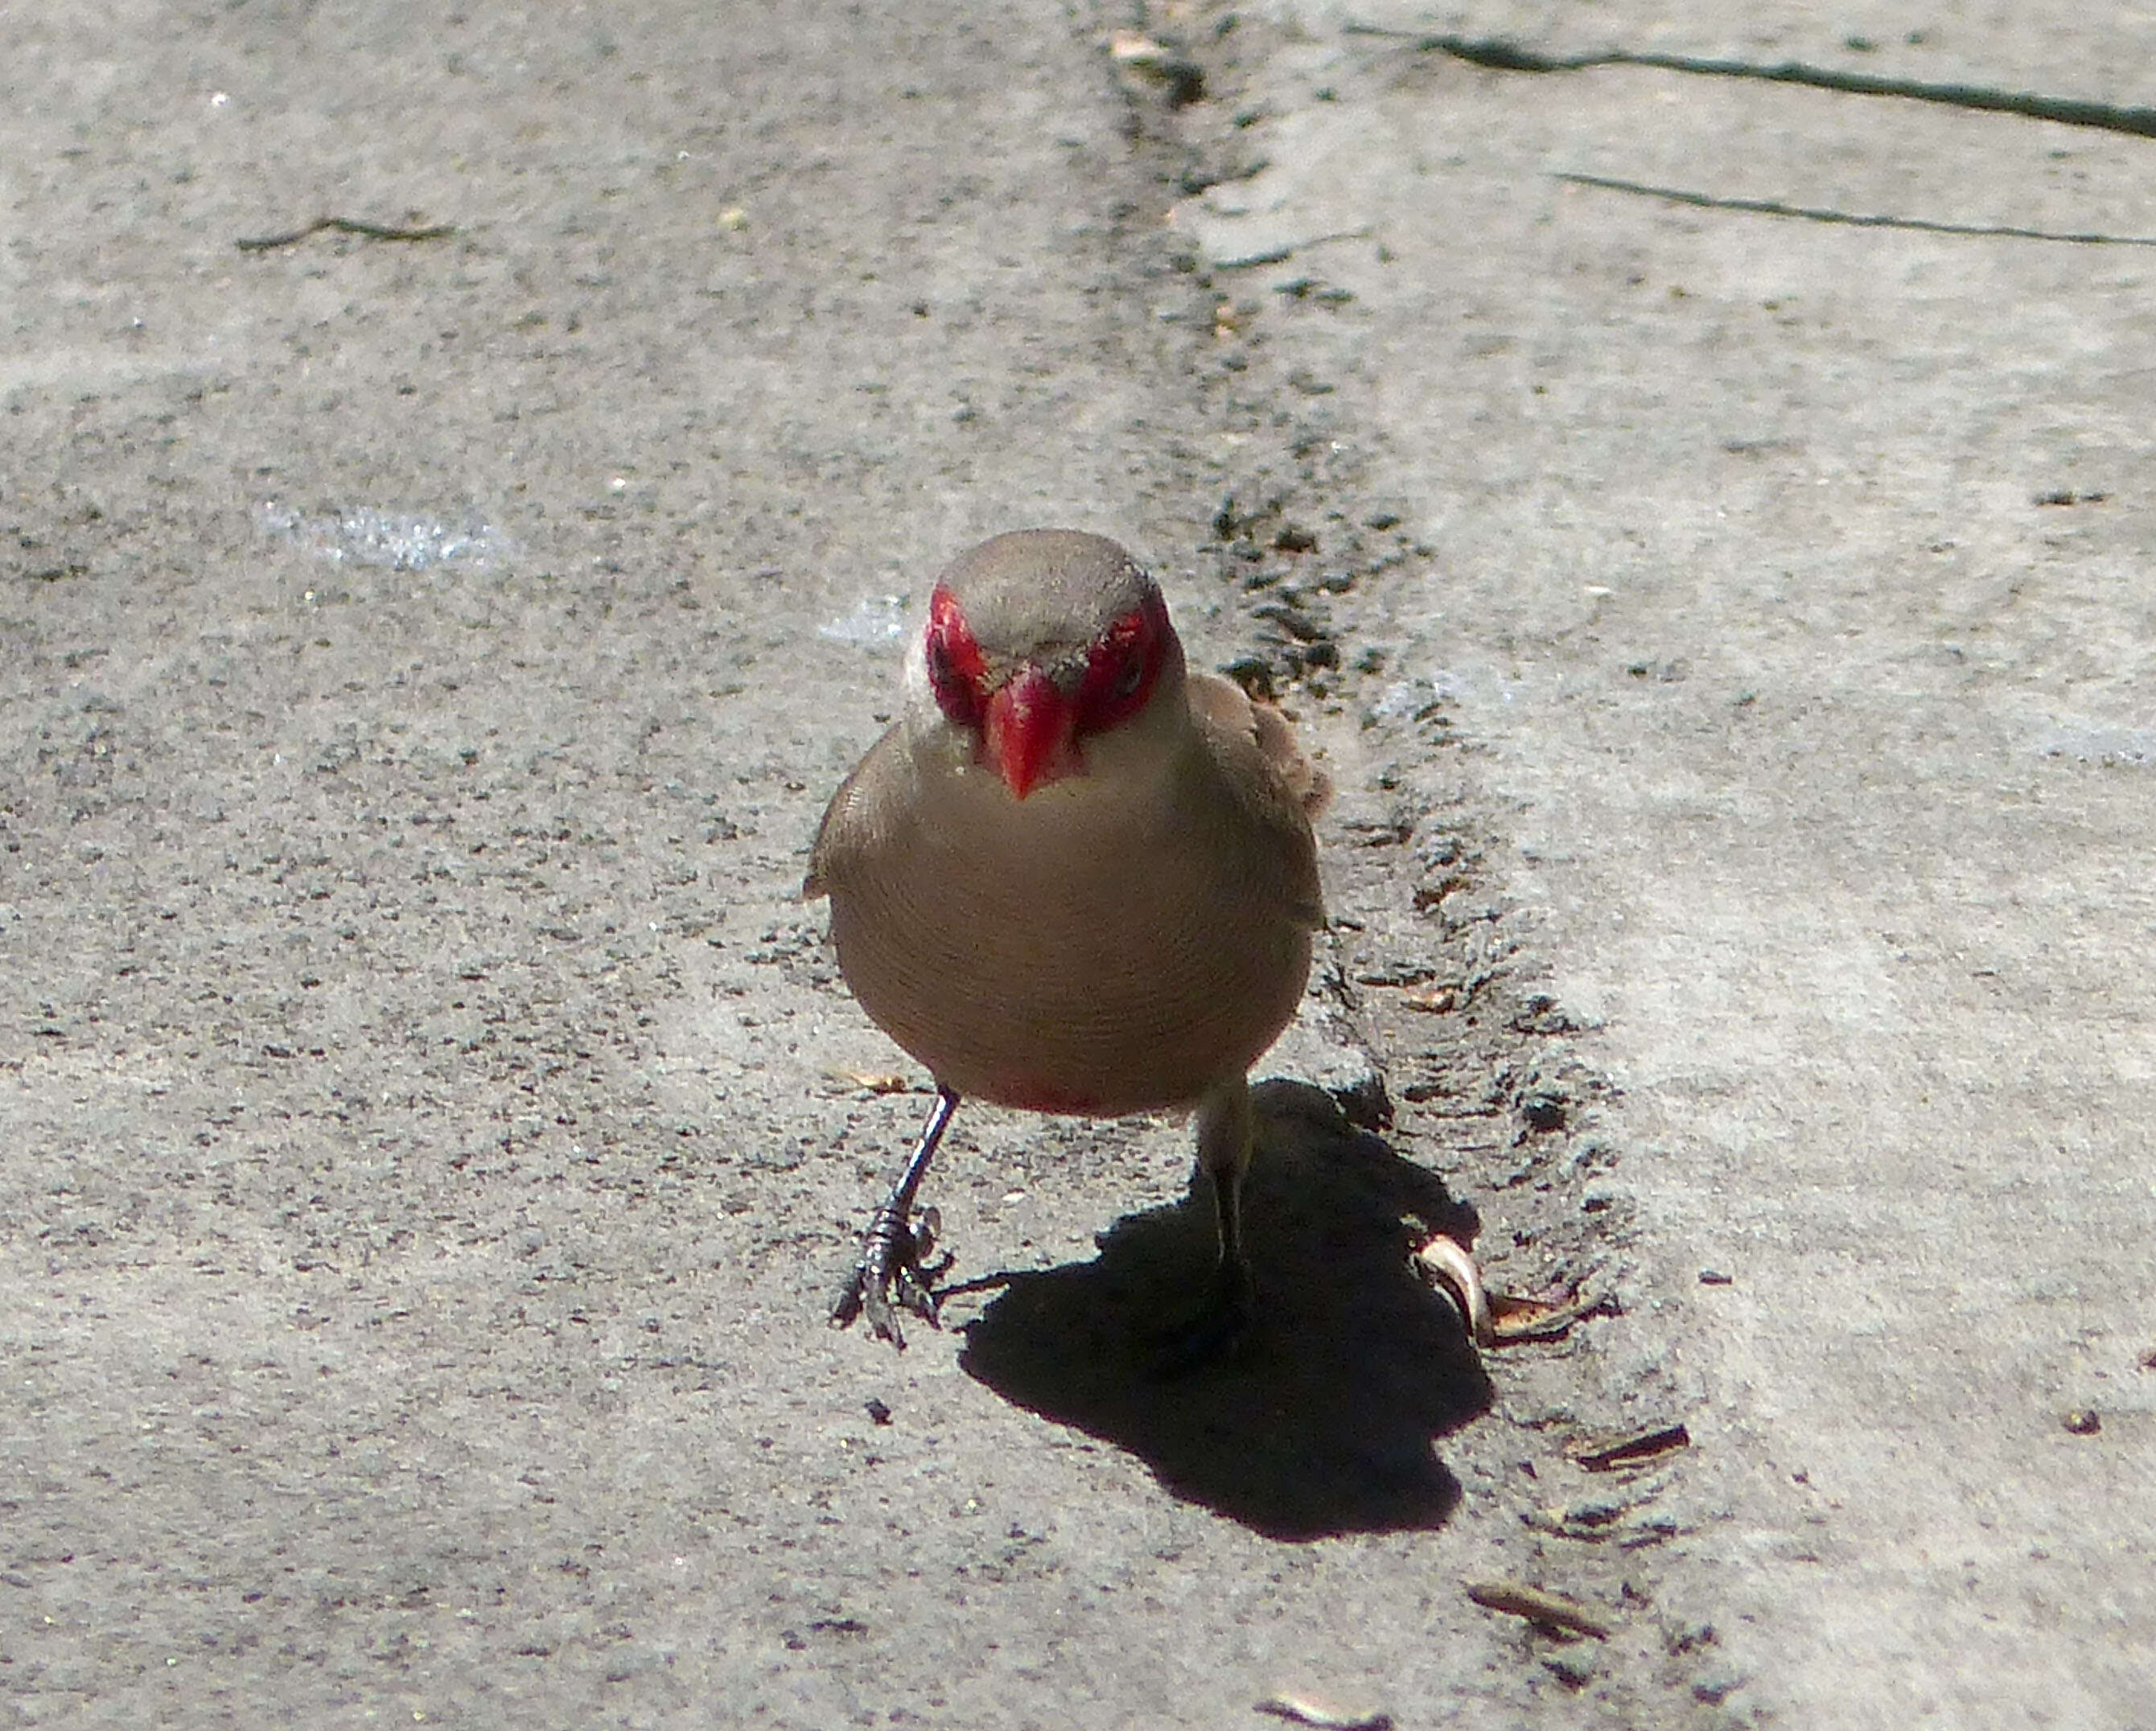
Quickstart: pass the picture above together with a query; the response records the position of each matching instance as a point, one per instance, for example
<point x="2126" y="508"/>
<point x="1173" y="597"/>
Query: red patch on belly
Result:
<point x="1028" y="1095"/>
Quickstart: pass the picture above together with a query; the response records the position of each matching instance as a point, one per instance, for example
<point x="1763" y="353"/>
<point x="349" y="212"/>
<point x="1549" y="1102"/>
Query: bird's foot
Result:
<point x="1214" y="1330"/>
<point x="895" y="1252"/>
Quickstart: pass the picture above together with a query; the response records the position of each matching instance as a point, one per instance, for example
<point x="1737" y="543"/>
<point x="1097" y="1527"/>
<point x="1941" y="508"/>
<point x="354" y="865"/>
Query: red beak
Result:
<point x="1027" y="732"/>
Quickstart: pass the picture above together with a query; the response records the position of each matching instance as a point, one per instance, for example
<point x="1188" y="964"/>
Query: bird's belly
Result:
<point x="1054" y="987"/>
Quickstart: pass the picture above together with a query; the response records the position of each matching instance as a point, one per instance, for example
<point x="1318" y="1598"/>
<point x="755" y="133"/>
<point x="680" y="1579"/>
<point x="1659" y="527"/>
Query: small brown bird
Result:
<point x="1073" y="876"/>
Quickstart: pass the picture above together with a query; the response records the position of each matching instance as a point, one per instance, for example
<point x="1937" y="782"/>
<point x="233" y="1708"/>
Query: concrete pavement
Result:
<point x="431" y="1122"/>
<point x="1795" y="576"/>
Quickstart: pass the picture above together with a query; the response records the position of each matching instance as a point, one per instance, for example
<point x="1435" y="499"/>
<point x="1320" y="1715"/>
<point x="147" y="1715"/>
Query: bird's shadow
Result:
<point x="1324" y="1418"/>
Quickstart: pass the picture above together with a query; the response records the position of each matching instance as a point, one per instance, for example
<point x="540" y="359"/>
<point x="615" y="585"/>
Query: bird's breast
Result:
<point x="1078" y="951"/>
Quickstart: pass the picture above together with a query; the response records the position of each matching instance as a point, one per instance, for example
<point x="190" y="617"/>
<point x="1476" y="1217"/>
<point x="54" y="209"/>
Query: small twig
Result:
<point x="1772" y="207"/>
<point x="1547" y="1611"/>
<point x="1634" y="1451"/>
<point x="344" y="225"/>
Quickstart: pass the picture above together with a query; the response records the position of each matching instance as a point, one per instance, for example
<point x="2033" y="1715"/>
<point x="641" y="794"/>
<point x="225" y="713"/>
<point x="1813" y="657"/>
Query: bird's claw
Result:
<point x="1444" y="1261"/>
<point x="893" y="1263"/>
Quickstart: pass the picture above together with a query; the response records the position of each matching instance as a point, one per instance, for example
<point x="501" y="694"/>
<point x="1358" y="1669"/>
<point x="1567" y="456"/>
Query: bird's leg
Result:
<point x="1223" y="1156"/>
<point x="1223" y="1150"/>
<point x="894" y="1248"/>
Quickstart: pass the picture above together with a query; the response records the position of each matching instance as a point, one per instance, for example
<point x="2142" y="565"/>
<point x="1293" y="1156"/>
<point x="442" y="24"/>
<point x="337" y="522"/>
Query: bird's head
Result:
<point x="1037" y="642"/>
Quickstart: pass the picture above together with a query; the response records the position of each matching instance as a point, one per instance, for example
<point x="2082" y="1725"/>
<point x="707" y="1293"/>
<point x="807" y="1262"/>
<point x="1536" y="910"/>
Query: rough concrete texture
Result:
<point x="430" y="1125"/>
<point x="1796" y="578"/>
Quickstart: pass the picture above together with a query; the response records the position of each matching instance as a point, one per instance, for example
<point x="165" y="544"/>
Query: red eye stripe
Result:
<point x="955" y="663"/>
<point x="1122" y="666"/>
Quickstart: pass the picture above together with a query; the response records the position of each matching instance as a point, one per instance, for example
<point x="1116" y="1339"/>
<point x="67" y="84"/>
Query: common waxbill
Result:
<point x="1073" y="876"/>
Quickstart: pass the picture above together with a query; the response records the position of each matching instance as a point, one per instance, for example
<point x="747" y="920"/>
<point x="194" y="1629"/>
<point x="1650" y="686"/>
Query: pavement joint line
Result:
<point x="1499" y="55"/>
<point x="1776" y="208"/>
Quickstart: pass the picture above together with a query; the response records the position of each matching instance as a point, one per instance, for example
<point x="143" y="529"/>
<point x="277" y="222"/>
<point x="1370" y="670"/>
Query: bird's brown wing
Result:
<point x="851" y="820"/>
<point x="1272" y="780"/>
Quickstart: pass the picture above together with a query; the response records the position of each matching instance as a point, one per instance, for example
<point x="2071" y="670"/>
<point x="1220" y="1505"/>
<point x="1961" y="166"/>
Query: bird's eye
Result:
<point x="953" y="696"/>
<point x="1122" y="666"/>
<point x="953" y="661"/>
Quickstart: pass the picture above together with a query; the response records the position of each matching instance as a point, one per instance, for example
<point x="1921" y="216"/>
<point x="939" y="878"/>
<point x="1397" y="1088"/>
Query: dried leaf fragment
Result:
<point x="1322" y="1718"/>
<point x="1433" y="1001"/>
<point x="1174" y="74"/>
<point x="1547" y="1611"/>
<point x="873" y="1081"/>
<point x="1516" y="1320"/>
